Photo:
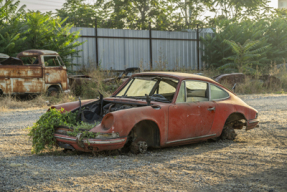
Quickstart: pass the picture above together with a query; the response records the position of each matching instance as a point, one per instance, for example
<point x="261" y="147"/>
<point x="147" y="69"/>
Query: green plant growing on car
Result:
<point x="42" y="132"/>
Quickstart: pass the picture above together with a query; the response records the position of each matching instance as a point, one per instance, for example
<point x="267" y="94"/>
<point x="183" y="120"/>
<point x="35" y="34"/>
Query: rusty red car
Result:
<point x="159" y="109"/>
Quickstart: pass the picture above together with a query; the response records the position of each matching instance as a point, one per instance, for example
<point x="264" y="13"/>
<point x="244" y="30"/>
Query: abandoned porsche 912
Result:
<point x="159" y="109"/>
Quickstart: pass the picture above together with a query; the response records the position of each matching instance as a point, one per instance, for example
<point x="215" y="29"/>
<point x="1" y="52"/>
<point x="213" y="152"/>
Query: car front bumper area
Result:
<point x="89" y="145"/>
<point x="252" y="124"/>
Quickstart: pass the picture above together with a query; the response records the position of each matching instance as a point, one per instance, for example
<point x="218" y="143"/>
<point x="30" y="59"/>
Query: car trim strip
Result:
<point x="253" y="121"/>
<point x="192" y="138"/>
<point x="104" y="142"/>
<point x="92" y="141"/>
<point x="66" y="138"/>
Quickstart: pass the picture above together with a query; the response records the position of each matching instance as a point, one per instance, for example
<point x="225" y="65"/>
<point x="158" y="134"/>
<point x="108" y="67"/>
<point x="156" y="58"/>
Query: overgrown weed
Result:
<point x="9" y="102"/>
<point x="254" y="84"/>
<point x="99" y="82"/>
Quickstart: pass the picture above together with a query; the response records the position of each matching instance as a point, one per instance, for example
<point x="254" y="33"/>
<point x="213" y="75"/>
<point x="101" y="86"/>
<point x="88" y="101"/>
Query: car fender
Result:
<point x="125" y="120"/>
<point x="73" y="105"/>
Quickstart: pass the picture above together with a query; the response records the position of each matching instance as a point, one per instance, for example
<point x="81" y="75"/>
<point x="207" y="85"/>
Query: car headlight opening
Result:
<point x="108" y="121"/>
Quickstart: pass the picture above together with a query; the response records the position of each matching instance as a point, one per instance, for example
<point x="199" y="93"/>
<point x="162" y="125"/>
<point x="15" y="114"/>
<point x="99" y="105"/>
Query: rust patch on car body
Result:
<point x="33" y="71"/>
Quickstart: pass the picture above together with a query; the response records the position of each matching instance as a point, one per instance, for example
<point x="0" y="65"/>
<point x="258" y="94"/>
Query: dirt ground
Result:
<point x="255" y="161"/>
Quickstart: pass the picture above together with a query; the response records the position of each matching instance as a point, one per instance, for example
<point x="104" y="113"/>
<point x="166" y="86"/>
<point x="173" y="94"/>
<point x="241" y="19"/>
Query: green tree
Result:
<point x="268" y="30"/>
<point x="137" y="14"/>
<point x="9" y="10"/>
<point x="10" y="27"/>
<point x="47" y="32"/>
<point x="192" y="11"/>
<point x="239" y="8"/>
<point x="216" y="50"/>
<point x="246" y="56"/>
<point x="81" y="14"/>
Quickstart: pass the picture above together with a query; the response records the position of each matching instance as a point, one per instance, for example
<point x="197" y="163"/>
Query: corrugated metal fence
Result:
<point x="121" y="48"/>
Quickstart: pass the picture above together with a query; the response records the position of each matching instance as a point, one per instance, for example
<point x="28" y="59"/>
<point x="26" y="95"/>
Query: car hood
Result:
<point x="132" y="101"/>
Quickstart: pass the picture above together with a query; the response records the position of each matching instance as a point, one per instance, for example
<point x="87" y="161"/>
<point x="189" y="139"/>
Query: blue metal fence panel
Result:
<point x="118" y="54"/>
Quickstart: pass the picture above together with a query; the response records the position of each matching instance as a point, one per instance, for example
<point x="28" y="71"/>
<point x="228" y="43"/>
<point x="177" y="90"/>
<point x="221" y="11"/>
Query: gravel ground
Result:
<point x="255" y="161"/>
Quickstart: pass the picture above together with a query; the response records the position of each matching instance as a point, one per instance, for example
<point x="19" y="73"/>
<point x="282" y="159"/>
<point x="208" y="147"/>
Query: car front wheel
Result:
<point x="138" y="146"/>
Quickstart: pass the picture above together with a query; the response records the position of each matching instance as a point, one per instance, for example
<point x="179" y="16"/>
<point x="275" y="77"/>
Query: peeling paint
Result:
<point x="21" y="78"/>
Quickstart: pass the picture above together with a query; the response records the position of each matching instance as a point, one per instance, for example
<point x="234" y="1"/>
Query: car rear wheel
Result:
<point x="53" y="92"/>
<point x="228" y="133"/>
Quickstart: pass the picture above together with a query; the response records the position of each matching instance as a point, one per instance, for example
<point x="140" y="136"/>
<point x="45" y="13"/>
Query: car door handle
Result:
<point x="211" y="109"/>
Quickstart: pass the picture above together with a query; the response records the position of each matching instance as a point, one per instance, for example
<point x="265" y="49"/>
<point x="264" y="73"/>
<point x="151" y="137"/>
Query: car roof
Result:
<point x="36" y="52"/>
<point x="2" y="56"/>
<point x="176" y="75"/>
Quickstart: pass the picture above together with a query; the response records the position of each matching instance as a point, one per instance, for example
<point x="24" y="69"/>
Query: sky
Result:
<point x="51" y="5"/>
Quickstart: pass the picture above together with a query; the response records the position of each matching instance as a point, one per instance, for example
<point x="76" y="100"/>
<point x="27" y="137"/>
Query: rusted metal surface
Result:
<point x="159" y="124"/>
<point x="231" y="78"/>
<point x="37" y="76"/>
<point x="36" y="52"/>
<point x="3" y="56"/>
<point x="12" y="61"/>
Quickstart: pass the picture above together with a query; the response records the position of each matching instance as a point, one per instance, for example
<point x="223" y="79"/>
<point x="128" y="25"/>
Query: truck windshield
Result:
<point x="158" y="88"/>
<point x="51" y="61"/>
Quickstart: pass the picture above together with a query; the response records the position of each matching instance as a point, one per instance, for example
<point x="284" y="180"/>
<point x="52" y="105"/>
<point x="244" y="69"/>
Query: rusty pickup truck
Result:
<point x="33" y="72"/>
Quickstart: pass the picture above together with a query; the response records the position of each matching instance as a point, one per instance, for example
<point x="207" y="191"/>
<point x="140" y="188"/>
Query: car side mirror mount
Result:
<point x="233" y="88"/>
<point x="147" y="99"/>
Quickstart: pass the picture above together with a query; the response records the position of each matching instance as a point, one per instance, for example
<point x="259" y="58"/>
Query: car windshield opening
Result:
<point x="158" y="88"/>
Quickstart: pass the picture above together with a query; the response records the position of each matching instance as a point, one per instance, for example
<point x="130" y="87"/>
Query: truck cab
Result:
<point x="33" y="72"/>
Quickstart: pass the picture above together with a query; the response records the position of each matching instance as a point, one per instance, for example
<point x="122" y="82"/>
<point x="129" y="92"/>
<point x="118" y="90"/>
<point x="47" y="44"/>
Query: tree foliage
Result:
<point x="163" y="15"/>
<point x="245" y="57"/>
<point x="20" y="30"/>
<point x="269" y="33"/>
<point x="79" y="13"/>
<point x="47" y="32"/>
<point x="11" y="26"/>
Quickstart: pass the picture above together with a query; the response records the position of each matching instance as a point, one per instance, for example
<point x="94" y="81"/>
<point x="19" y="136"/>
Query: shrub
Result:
<point x="42" y="132"/>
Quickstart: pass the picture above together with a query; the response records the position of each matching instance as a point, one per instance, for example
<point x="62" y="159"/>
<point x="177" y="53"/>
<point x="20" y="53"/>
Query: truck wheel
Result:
<point x="53" y="92"/>
<point x="138" y="146"/>
<point x="228" y="133"/>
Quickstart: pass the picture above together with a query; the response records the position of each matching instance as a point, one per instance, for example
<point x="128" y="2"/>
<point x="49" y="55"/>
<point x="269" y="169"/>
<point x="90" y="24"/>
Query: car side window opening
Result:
<point x="165" y="88"/>
<point x="196" y="91"/>
<point x="51" y="61"/>
<point x="216" y="93"/>
<point x="30" y="60"/>
<point x="181" y="94"/>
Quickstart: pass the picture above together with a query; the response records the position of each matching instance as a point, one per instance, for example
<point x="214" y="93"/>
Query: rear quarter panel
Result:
<point x="226" y="107"/>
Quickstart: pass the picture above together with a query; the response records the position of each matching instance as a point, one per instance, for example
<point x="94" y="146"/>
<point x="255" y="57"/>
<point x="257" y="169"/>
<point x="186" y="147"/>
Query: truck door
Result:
<point x="22" y="77"/>
<point x="55" y="72"/>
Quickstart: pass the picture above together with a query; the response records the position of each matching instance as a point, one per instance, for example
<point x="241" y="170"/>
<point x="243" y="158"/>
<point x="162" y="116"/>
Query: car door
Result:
<point x="193" y="113"/>
<point x="28" y="77"/>
<point x="55" y="72"/>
